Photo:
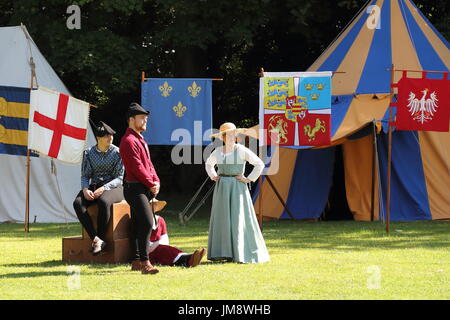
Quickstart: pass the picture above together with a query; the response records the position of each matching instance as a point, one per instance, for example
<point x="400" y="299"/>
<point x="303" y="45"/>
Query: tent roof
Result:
<point x="15" y="71"/>
<point x="365" y="52"/>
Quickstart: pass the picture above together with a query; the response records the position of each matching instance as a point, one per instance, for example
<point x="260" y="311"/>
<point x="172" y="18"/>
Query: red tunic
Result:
<point x="163" y="254"/>
<point x="136" y="159"/>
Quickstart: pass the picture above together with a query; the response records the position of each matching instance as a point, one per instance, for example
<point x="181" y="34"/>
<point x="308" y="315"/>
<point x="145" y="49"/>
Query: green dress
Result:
<point x="234" y="232"/>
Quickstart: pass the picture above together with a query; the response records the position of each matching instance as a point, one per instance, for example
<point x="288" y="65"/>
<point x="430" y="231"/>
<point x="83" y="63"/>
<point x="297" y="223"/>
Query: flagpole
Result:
<point x="372" y="202"/>
<point x="143" y="78"/>
<point x="27" y="183"/>
<point x="388" y="196"/>
<point x="260" y="216"/>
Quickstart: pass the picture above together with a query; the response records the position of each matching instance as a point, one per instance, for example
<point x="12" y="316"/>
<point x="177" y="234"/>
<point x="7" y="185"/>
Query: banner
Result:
<point x="180" y="111"/>
<point x="57" y="125"/>
<point x="423" y="105"/>
<point x="14" y="111"/>
<point x="295" y="108"/>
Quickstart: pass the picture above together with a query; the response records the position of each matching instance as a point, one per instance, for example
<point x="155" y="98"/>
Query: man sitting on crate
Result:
<point x="160" y="252"/>
<point x="101" y="182"/>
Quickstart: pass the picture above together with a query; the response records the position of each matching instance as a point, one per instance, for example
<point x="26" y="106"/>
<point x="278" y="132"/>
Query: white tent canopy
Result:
<point x="53" y="185"/>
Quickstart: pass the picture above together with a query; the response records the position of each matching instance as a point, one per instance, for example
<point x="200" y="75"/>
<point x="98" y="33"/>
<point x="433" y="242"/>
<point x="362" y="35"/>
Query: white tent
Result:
<point x="53" y="185"/>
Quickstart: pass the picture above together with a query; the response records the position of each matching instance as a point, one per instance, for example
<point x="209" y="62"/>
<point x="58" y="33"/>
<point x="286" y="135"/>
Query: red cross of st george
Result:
<point x="58" y="126"/>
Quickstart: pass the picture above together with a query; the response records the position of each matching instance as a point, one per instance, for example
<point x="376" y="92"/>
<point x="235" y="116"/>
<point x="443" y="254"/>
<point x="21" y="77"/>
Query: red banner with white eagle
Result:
<point x="423" y="104"/>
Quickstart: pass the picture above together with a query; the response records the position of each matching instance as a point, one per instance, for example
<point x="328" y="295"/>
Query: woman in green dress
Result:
<point x="234" y="233"/>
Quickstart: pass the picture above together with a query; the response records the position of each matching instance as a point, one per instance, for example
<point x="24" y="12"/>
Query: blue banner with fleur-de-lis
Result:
<point x="180" y="111"/>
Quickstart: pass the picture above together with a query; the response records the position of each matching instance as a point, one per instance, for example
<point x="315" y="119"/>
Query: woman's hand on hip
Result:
<point x="241" y="178"/>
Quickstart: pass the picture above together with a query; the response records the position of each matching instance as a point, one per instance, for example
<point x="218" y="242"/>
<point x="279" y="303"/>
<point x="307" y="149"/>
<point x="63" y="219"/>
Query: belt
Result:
<point x="228" y="175"/>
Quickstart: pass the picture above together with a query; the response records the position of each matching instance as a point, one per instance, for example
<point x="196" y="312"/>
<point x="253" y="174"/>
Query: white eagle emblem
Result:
<point x="422" y="109"/>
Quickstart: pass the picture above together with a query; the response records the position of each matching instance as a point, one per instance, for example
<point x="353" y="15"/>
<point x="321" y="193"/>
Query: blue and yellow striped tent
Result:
<point x="365" y="51"/>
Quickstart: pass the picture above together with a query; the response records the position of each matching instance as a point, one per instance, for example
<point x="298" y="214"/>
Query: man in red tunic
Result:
<point x="160" y="252"/>
<point x="141" y="184"/>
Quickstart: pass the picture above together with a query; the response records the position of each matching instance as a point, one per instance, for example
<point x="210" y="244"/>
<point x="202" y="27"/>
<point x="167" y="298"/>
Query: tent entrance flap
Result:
<point x="337" y="207"/>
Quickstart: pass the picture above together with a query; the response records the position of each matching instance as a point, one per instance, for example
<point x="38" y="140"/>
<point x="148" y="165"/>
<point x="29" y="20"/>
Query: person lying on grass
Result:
<point x="160" y="252"/>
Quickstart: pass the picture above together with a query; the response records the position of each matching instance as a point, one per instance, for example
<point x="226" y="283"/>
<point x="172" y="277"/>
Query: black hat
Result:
<point x="135" y="109"/>
<point x="102" y="129"/>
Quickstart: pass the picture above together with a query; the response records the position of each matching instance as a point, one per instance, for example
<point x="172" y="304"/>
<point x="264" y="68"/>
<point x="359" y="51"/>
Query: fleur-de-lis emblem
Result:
<point x="165" y="89"/>
<point x="194" y="89"/>
<point x="179" y="109"/>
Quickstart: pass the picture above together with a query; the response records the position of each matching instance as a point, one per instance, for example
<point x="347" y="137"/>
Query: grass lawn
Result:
<point x="323" y="260"/>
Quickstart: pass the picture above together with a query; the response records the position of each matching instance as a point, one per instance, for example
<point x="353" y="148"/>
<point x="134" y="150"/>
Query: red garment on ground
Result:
<point x="163" y="254"/>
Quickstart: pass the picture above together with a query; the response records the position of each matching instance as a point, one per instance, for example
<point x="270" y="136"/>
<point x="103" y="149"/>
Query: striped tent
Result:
<point x="384" y="33"/>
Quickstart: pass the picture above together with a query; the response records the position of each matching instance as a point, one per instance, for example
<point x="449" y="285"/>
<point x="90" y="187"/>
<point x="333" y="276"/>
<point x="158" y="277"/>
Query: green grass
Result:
<point x="324" y="260"/>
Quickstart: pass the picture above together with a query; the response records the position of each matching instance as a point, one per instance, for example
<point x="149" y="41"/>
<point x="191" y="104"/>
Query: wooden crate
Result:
<point x="76" y="249"/>
<point x="118" y="249"/>
<point x="119" y="225"/>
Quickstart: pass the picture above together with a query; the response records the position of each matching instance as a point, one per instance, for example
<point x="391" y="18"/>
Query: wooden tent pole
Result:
<point x="27" y="184"/>
<point x="27" y="196"/>
<point x="372" y="203"/>
<point x="280" y="198"/>
<point x="388" y="196"/>
<point x="260" y="215"/>
<point x="261" y="74"/>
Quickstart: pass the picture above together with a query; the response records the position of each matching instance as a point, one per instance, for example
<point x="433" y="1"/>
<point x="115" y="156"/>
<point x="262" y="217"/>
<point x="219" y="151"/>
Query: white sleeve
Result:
<point x="210" y="163"/>
<point x="164" y="239"/>
<point x="151" y="246"/>
<point x="254" y="160"/>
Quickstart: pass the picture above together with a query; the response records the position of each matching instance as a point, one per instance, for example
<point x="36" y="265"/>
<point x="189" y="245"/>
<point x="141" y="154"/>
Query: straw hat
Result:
<point x="159" y="204"/>
<point x="225" y="128"/>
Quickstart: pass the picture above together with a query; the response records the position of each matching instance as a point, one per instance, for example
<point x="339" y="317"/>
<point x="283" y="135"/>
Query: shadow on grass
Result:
<point x="106" y="268"/>
<point x="60" y="263"/>
<point x="330" y="235"/>
<point x="359" y="236"/>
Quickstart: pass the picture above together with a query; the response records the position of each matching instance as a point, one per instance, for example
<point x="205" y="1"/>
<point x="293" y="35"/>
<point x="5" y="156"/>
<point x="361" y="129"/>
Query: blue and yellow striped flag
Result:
<point x="14" y="112"/>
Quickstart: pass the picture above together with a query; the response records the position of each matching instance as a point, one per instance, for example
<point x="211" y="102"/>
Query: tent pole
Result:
<point x="260" y="216"/>
<point x="27" y="184"/>
<point x="372" y="203"/>
<point x="261" y="74"/>
<point x="280" y="198"/>
<point x="388" y="196"/>
<point x="27" y="197"/>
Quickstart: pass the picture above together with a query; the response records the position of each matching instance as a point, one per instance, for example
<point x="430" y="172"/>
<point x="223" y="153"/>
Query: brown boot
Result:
<point x="196" y="258"/>
<point x="147" y="268"/>
<point x="136" y="265"/>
